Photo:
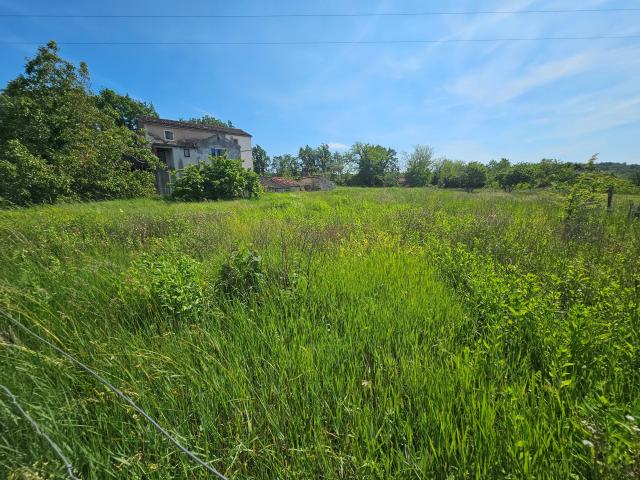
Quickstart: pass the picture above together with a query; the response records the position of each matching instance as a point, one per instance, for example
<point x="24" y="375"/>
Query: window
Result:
<point x="217" y="152"/>
<point x="187" y="152"/>
<point x="168" y="135"/>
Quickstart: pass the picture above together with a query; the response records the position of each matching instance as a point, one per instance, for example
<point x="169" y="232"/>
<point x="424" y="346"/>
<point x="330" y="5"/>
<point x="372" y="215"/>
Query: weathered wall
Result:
<point x="241" y="149"/>
<point x="245" y="151"/>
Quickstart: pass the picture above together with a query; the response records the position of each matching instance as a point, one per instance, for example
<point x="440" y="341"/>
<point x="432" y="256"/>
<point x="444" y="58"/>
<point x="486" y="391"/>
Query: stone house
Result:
<point x="178" y="144"/>
<point x="316" y="182"/>
<point x="280" y="184"/>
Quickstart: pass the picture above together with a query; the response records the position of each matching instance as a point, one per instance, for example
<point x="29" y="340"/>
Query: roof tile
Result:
<point x="194" y="126"/>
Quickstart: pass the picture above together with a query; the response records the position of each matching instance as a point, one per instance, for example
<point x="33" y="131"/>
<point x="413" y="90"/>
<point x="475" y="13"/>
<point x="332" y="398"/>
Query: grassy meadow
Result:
<point x="358" y="333"/>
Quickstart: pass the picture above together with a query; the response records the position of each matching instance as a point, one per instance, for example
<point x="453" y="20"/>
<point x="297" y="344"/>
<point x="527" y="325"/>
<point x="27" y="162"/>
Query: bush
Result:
<point x="172" y="284"/>
<point x="241" y="274"/>
<point x="516" y="175"/>
<point x="584" y="207"/>
<point x="219" y="178"/>
<point x="26" y="178"/>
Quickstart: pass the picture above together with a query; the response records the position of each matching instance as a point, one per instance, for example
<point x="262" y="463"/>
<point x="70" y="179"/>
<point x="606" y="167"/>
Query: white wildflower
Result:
<point x="587" y="443"/>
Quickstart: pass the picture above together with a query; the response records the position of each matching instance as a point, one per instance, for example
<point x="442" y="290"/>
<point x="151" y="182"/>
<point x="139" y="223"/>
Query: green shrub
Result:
<point x="172" y="285"/>
<point x="28" y="179"/>
<point x="242" y="274"/>
<point x="584" y="207"/>
<point x="220" y="178"/>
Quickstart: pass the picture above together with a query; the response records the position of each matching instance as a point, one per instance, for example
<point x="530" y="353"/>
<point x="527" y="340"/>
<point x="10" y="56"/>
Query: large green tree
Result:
<point x="286" y="165"/>
<point x="376" y="165"/>
<point x="324" y="158"/>
<point x="307" y="158"/>
<point x="474" y="175"/>
<point x="518" y="174"/>
<point x="448" y="173"/>
<point x="123" y="108"/>
<point x="56" y="142"/>
<point x="260" y="160"/>
<point x="419" y="164"/>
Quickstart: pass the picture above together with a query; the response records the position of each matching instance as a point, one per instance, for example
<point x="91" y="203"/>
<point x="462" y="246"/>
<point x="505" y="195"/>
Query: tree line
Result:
<point x="60" y="140"/>
<point x="377" y="166"/>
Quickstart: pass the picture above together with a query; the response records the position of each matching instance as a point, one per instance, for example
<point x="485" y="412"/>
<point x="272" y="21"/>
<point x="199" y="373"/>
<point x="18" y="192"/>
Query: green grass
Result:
<point x="359" y="333"/>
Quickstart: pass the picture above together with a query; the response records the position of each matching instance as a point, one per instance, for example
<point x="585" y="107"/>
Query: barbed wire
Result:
<point x="119" y="393"/>
<point x="41" y="432"/>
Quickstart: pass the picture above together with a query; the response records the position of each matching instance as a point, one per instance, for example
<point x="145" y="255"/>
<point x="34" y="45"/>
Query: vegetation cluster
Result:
<point x="378" y="333"/>
<point x="368" y="165"/>
<point x="59" y="140"/>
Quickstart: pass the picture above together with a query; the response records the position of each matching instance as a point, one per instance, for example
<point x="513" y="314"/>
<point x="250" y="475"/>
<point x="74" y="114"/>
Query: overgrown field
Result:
<point x="380" y="333"/>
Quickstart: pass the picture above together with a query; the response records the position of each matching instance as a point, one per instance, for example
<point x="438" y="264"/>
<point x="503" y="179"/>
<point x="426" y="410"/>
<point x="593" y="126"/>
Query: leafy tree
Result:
<point x="376" y="166"/>
<point x="26" y="178"/>
<point x="496" y="169"/>
<point x="518" y="174"/>
<point x="260" y="160"/>
<point x="419" y="164"/>
<point x="448" y="173"/>
<point x="286" y="165"/>
<point x="307" y="158"/>
<point x="324" y="158"/>
<point x="56" y="142"/>
<point x="220" y="178"/>
<point x="337" y="168"/>
<point x="474" y="175"/>
<point x="124" y="108"/>
<point x="550" y="172"/>
<point x="209" y="121"/>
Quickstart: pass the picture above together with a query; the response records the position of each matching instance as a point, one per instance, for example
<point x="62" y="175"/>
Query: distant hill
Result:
<point x="629" y="171"/>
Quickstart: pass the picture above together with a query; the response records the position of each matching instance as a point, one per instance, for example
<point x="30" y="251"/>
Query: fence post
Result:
<point x="609" y="197"/>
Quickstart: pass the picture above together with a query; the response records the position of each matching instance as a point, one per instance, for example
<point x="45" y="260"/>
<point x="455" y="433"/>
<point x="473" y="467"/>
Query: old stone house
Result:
<point x="316" y="182"/>
<point x="280" y="184"/>
<point x="179" y="144"/>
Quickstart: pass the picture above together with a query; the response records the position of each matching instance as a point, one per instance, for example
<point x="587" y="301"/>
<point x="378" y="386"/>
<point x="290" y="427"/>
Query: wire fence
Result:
<point x="192" y="456"/>
<point x="41" y="432"/>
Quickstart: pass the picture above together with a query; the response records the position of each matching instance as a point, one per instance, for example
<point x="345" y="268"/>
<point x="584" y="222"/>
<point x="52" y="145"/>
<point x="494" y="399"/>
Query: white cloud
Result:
<point x="505" y="79"/>
<point x="596" y="112"/>
<point x="492" y="85"/>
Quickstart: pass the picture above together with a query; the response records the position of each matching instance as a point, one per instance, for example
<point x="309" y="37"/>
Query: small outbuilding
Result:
<point x="316" y="182"/>
<point x="280" y="184"/>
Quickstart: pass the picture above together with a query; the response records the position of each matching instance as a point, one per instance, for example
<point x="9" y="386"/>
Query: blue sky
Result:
<point x="469" y="101"/>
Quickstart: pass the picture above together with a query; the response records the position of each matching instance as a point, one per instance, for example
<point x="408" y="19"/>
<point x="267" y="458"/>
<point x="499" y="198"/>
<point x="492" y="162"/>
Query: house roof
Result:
<point x="142" y="120"/>
<point x="285" y="182"/>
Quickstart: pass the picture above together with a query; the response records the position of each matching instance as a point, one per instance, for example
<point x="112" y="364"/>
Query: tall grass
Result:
<point x="353" y="334"/>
